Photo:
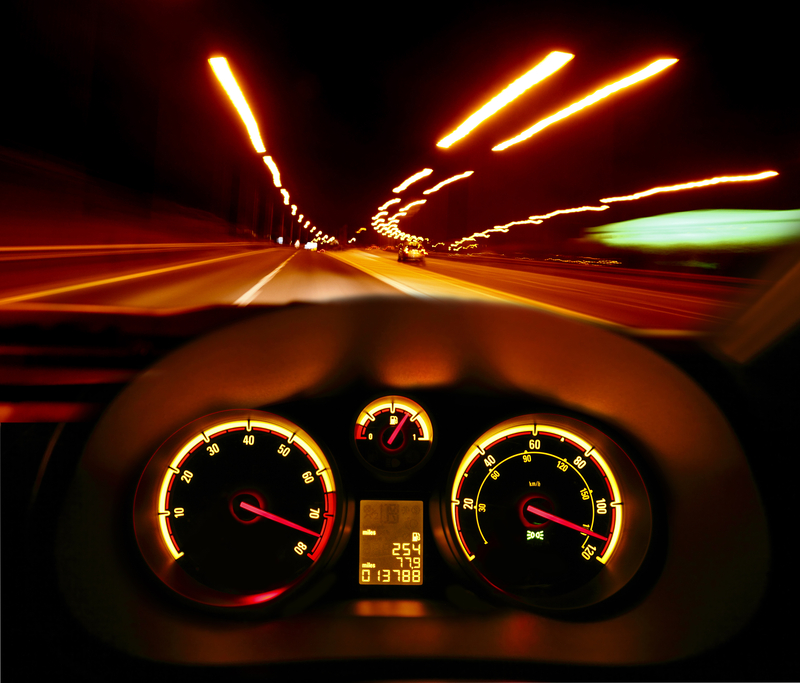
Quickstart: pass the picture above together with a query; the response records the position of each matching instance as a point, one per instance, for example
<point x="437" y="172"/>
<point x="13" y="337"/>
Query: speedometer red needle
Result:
<point x="275" y="518"/>
<point x="565" y="523"/>
<point x="397" y="429"/>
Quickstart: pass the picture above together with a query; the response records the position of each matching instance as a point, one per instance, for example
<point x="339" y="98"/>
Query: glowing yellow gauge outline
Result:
<point x="526" y="452"/>
<point x="323" y="466"/>
<point x="590" y="451"/>
<point x="417" y="412"/>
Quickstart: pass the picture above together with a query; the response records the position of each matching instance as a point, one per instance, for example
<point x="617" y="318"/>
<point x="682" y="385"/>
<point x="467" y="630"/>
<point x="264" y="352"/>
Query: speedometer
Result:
<point x="237" y="509"/>
<point x="548" y="511"/>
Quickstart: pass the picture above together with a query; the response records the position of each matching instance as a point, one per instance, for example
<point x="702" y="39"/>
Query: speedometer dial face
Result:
<point x="237" y="508"/>
<point x="548" y="511"/>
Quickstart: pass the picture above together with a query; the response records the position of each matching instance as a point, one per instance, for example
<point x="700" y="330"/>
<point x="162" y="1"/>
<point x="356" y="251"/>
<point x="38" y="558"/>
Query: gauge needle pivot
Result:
<point x="397" y="429"/>
<point x="564" y="522"/>
<point x="275" y="518"/>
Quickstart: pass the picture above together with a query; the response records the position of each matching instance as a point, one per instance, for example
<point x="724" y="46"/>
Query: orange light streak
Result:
<point x="389" y="203"/>
<point x="549" y="65"/>
<point x="300" y="218"/>
<point x="307" y="223"/>
<point x="223" y="73"/>
<point x="416" y="203"/>
<point x="525" y="222"/>
<point x="276" y="175"/>
<point x="285" y="194"/>
<point x="294" y="210"/>
<point x="414" y="178"/>
<point x="647" y="72"/>
<point x="579" y="209"/>
<point x="697" y="183"/>
<point x="438" y="187"/>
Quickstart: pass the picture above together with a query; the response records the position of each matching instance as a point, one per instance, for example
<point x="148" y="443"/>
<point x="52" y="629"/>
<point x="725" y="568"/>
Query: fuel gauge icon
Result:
<point x="393" y="435"/>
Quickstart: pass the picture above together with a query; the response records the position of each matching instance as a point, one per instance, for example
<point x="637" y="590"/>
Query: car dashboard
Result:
<point x="691" y="529"/>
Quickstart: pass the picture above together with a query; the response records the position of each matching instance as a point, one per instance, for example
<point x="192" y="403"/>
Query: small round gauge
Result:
<point x="548" y="511"/>
<point x="393" y="434"/>
<point x="237" y="508"/>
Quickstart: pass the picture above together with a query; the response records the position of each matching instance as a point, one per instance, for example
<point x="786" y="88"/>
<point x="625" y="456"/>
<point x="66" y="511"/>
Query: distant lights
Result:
<point x="647" y="72"/>
<point x="697" y="183"/>
<point x="438" y="187"/>
<point x="414" y="178"/>
<point x="276" y="176"/>
<point x="549" y="65"/>
<point x="285" y="194"/>
<point x="294" y="210"/>
<point x="535" y="220"/>
<point x="223" y="73"/>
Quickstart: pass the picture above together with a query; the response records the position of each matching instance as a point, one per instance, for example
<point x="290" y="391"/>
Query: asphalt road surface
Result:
<point x="188" y="275"/>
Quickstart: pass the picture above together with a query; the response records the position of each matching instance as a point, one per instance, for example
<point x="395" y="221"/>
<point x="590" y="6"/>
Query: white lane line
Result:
<point x="252" y="293"/>
<point x="508" y="297"/>
<point x="392" y="283"/>
<point x="103" y="247"/>
<point x="120" y="278"/>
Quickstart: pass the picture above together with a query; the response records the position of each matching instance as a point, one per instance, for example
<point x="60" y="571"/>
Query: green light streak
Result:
<point x="710" y="229"/>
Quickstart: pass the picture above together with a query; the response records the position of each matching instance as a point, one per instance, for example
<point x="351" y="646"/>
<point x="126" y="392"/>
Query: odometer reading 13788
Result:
<point x="540" y="505"/>
<point x="390" y="542"/>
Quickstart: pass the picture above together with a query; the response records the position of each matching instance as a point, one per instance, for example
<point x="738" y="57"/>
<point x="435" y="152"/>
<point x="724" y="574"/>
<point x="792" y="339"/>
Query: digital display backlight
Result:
<point x="390" y="542"/>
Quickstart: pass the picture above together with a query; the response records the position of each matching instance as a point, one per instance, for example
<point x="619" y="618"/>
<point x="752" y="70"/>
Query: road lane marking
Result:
<point x="508" y="297"/>
<point x="120" y="278"/>
<point x="252" y="293"/>
<point x="392" y="283"/>
<point x="151" y="245"/>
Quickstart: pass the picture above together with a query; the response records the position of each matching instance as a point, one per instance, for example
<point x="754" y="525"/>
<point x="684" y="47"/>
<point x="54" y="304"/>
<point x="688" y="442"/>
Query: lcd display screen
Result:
<point x="390" y="542"/>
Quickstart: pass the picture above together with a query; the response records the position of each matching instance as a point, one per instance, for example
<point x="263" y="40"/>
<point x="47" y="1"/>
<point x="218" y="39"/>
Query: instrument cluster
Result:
<point x="247" y="509"/>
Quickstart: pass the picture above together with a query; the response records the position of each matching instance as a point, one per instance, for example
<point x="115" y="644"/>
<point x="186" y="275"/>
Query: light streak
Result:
<point x="408" y="206"/>
<point x="549" y="65"/>
<point x="300" y="218"/>
<point x="307" y="223"/>
<point x="389" y="203"/>
<point x="648" y="71"/>
<point x="276" y="175"/>
<point x="697" y="183"/>
<point x="285" y="194"/>
<point x="438" y="187"/>
<point x="525" y="222"/>
<point x="294" y="210"/>
<point x="414" y="178"/>
<point x="223" y="73"/>
<point x="558" y="212"/>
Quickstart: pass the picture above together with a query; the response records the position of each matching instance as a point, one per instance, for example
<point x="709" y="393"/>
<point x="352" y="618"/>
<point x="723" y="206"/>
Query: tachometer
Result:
<point x="548" y="511"/>
<point x="237" y="508"/>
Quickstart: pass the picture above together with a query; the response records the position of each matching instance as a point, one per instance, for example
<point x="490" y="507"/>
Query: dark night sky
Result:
<point x="350" y="101"/>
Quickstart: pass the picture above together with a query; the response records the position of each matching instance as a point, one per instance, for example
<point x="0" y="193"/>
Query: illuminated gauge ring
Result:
<point x="393" y="435"/>
<point x="548" y="511"/>
<point x="238" y="508"/>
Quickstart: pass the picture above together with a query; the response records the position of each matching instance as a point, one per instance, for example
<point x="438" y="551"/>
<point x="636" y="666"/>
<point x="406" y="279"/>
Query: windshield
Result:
<point x="633" y="168"/>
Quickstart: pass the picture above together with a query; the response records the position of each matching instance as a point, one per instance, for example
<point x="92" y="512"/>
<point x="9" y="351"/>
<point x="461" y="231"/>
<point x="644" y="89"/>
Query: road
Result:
<point x="188" y="275"/>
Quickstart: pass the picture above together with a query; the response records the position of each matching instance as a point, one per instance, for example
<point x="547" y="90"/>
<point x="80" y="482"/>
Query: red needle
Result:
<point x="565" y="523"/>
<point x="397" y="429"/>
<point x="275" y="518"/>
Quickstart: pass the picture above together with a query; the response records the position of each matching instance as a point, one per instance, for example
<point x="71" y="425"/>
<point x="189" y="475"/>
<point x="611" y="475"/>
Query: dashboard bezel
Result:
<point x="408" y="347"/>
